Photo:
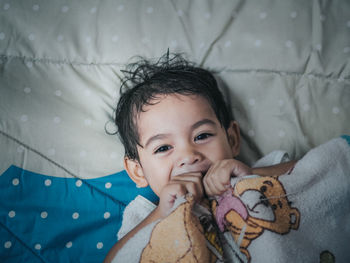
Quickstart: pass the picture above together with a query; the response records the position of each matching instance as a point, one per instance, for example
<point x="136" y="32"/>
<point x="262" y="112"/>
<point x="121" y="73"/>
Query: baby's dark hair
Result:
<point x="145" y="81"/>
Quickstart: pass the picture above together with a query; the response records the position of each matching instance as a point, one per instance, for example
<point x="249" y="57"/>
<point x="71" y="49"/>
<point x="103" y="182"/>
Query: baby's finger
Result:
<point x="210" y="187"/>
<point x="193" y="181"/>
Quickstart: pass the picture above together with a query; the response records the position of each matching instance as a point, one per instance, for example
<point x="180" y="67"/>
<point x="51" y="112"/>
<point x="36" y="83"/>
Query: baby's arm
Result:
<point x="277" y="169"/>
<point x="117" y="246"/>
<point x="217" y="179"/>
<point x="178" y="186"/>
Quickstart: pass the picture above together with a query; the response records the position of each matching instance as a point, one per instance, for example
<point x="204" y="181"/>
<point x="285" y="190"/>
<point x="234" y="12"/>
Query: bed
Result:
<point x="283" y="65"/>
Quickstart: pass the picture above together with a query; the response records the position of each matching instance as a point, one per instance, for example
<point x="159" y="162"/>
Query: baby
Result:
<point x="179" y="135"/>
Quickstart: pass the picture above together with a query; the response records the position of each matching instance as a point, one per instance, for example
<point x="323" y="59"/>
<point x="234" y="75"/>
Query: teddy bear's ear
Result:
<point x="294" y="218"/>
<point x="135" y="172"/>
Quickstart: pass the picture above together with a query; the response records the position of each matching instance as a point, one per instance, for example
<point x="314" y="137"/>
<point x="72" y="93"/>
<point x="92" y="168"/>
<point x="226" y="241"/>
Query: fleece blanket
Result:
<point x="301" y="216"/>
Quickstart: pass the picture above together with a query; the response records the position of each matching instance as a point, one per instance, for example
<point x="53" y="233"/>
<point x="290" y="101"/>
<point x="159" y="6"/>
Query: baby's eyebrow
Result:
<point x="202" y="122"/>
<point x="156" y="137"/>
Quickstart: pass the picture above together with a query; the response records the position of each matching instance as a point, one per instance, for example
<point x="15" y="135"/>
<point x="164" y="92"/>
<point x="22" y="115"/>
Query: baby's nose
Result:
<point x="188" y="157"/>
<point x="189" y="160"/>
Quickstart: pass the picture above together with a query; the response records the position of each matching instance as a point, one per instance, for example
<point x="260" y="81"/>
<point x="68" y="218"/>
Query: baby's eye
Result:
<point x="163" y="148"/>
<point x="202" y="136"/>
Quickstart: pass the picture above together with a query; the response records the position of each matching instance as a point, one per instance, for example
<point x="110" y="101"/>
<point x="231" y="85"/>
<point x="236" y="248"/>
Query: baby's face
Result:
<point x="180" y="134"/>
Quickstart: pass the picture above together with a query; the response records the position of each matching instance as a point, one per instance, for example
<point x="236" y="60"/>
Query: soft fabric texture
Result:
<point x="301" y="216"/>
<point x="283" y="66"/>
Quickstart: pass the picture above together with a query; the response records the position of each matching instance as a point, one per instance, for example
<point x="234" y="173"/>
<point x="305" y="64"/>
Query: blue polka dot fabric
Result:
<point x="53" y="219"/>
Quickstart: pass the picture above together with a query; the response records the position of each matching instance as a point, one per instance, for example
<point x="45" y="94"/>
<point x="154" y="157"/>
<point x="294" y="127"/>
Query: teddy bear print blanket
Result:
<point x="302" y="216"/>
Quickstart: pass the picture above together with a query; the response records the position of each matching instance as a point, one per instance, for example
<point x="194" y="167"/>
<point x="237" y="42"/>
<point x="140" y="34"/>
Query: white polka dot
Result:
<point x="228" y="43"/>
<point x="262" y="15"/>
<point x="108" y="185"/>
<point x="7" y="244"/>
<point x="24" y="118"/>
<point x="75" y="215"/>
<point x="27" y="90"/>
<point x="93" y="10"/>
<point x="35" y="7"/>
<point x="348" y="23"/>
<point x="12" y="214"/>
<point x="2" y="35"/>
<point x="149" y="10"/>
<point x="44" y="214"/>
<point x="281" y="103"/>
<point x="121" y="8"/>
<point x="48" y="182"/>
<point x="281" y="133"/>
<point x="306" y="107"/>
<point x="60" y="38"/>
<point x="289" y="43"/>
<point x="318" y="47"/>
<point x="87" y="93"/>
<point x="58" y="93"/>
<point x="87" y="122"/>
<point x="15" y="181"/>
<point x="113" y="155"/>
<point x="99" y="245"/>
<point x="20" y="149"/>
<point x="51" y="152"/>
<point x="29" y="64"/>
<point x="115" y="38"/>
<point x="6" y="6"/>
<point x="83" y="153"/>
<point x="79" y="183"/>
<point x="293" y="14"/>
<point x="64" y="9"/>
<point x="341" y="79"/>
<point x="145" y="40"/>
<point x="335" y="110"/>
<point x="202" y="45"/>
<point x="180" y="12"/>
<point x="257" y="43"/>
<point x="173" y="43"/>
<point x="251" y="102"/>
<point x="88" y="39"/>
<point x="346" y="49"/>
<point x="31" y="37"/>
<point x="57" y="119"/>
<point x="251" y="133"/>
<point x="69" y="244"/>
<point x="107" y="215"/>
<point x="37" y="246"/>
<point x="207" y="15"/>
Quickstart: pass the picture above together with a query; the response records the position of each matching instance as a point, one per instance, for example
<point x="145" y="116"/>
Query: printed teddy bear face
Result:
<point x="267" y="204"/>
<point x="253" y="204"/>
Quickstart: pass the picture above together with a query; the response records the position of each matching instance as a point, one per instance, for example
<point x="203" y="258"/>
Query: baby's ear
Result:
<point x="135" y="172"/>
<point x="234" y="137"/>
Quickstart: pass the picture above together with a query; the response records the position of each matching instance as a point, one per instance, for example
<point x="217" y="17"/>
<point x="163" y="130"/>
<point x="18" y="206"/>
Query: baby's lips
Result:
<point x="226" y="203"/>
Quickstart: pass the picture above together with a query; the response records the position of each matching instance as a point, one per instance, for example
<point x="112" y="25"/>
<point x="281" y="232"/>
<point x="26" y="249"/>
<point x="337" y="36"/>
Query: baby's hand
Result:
<point x="179" y="186"/>
<point x="217" y="179"/>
